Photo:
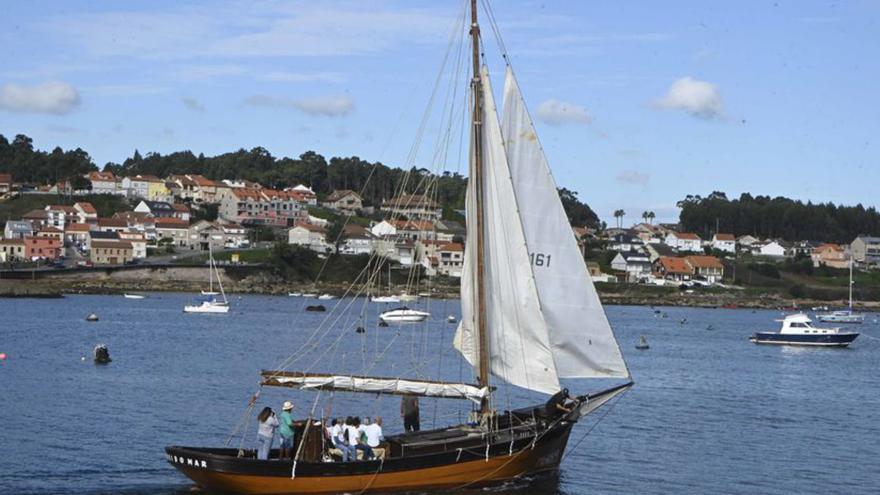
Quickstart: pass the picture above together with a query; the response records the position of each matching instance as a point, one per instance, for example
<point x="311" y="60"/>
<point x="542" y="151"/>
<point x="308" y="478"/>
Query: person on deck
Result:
<point x="337" y="436"/>
<point x="355" y="432"/>
<point x="265" y="432"/>
<point x="409" y="411"/>
<point x="286" y="430"/>
<point x="559" y="404"/>
<point x="373" y="431"/>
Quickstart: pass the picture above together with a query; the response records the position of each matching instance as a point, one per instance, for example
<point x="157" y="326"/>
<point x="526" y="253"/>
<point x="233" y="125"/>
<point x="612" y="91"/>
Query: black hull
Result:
<point x="524" y="443"/>
<point x="819" y="340"/>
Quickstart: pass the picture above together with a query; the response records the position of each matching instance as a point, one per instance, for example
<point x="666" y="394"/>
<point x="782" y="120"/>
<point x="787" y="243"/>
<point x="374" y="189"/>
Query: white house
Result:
<point x="724" y="242"/>
<point x="357" y="240"/>
<point x="138" y="244"/>
<point x="747" y="241"/>
<point x="103" y="183"/>
<point x="384" y="229"/>
<point x="308" y="235"/>
<point x="450" y="259"/>
<point x="772" y="249"/>
<point x="684" y="241"/>
<point x="637" y="265"/>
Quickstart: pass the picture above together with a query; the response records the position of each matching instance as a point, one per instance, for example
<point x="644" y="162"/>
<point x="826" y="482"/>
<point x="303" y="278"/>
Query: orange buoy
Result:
<point x="2" y="356"/>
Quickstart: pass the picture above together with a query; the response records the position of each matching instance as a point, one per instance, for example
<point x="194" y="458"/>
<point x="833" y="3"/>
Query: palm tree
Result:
<point x="617" y="215"/>
<point x="651" y="216"/>
<point x="645" y="216"/>
<point x="622" y="214"/>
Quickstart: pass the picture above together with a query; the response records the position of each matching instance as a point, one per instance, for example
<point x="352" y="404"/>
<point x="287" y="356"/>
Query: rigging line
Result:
<point x="594" y="425"/>
<point x="490" y="14"/>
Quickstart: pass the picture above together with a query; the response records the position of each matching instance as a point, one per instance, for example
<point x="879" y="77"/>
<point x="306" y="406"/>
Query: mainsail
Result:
<point x="519" y="347"/>
<point x="544" y="317"/>
<point x="581" y="339"/>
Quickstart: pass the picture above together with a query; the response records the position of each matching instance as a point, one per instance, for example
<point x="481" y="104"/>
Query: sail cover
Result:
<point x="377" y="385"/>
<point x="581" y="339"/>
<point x="519" y="348"/>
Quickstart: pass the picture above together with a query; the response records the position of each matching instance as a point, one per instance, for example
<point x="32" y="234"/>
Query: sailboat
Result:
<point x="847" y="315"/>
<point x="211" y="304"/>
<point x="530" y="317"/>
<point x="389" y="298"/>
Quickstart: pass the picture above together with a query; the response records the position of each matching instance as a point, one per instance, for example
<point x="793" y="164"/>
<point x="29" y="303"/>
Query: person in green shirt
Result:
<point x="286" y="430"/>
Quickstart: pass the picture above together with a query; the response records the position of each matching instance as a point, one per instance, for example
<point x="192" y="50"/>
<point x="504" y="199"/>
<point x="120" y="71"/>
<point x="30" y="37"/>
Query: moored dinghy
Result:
<point x="525" y="291"/>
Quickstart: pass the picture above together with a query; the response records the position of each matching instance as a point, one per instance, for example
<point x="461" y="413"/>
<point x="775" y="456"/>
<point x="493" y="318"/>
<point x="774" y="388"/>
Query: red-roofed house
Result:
<point x="357" y="239"/>
<point x="181" y="211"/>
<point x="451" y="257"/>
<point x="112" y="224"/>
<point x="672" y="268"/>
<point x="104" y="183"/>
<point x="249" y="206"/>
<point x="415" y="229"/>
<point x="86" y="213"/>
<point x="831" y="255"/>
<point x="111" y="252"/>
<point x="173" y="228"/>
<point x="414" y="206"/>
<point x="708" y="267"/>
<point x="724" y="242"/>
<point x="311" y="236"/>
<point x="344" y="201"/>
<point x="684" y="241"/>
<point x="77" y="234"/>
<point x="58" y="215"/>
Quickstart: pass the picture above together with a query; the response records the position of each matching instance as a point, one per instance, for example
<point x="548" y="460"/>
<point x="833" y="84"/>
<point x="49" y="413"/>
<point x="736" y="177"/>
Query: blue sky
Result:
<point x="637" y="103"/>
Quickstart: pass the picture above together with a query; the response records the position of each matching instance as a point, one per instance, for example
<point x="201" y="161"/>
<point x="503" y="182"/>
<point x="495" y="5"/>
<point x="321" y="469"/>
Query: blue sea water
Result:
<point x="710" y="412"/>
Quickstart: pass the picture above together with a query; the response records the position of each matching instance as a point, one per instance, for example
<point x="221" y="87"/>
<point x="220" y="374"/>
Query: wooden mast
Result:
<point x="477" y="119"/>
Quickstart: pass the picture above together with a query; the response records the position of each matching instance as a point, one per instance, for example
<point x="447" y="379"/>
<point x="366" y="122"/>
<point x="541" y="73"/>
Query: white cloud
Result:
<point x="333" y="77"/>
<point x="327" y="106"/>
<point x="555" y="112"/>
<point x="193" y="104"/>
<point x="50" y="97"/>
<point x="698" y="98"/>
<point x="633" y="177"/>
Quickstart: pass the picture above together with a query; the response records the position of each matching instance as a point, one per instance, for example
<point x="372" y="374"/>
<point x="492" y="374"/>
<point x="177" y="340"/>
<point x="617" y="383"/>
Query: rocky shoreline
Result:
<point x="265" y="284"/>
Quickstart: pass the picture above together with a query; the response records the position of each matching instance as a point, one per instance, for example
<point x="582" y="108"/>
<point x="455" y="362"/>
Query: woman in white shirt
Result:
<point x="265" y="432"/>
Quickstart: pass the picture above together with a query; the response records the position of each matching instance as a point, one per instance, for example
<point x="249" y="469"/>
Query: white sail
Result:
<point x="580" y="336"/>
<point x="519" y="349"/>
<point x="374" y="385"/>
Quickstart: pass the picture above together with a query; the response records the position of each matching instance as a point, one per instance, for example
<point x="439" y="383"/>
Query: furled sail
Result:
<point x="519" y="350"/>
<point x="376" y="385"/>
<point x="581" y="339"/>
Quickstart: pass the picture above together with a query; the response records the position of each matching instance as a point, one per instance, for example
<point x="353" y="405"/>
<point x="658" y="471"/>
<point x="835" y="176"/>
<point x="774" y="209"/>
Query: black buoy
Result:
<point x="360" y="330"/>
<point x="643" y="343"/>
<point x="101" y="354"/>
<point x="316" y="307"/>
<point x="383" y="323"/>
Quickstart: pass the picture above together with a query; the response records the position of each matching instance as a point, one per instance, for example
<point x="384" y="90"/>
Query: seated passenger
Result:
<point x="373" y="432"/>
<point x="354" y="442"/>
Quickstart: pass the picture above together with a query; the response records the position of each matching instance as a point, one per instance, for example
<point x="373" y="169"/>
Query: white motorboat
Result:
<point x="798" y="330"/>
<point x="408" y="297"/>
<point x="326" y="297"/>
<point x="294" y="294"/>
<point x="210" y="304"/>
<point x="450" y="318"/>
<point x="133" y="296"/>
<point x="385" y="299"/>
<point x="404" y="315"/>
<point x="310" y="295"/>
<point x="847" y="315"/>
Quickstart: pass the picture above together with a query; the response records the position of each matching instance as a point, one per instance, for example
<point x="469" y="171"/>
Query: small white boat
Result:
<point x="133" y="296"/>
<point x="294" y="294"/>
<point x="326" y="297"/>
<point x="847" y="315"/>
<point x="310" y="295"/>
<point x="408" y="297"/>
<point x="643" y="343"/>
<point x="404" y="315"/>
<point x="450" y="318"/>
<point x="211" y="304"/>
<point x="208" y="306"/>
<point x="798" y="330"/>
<point x="385" y="299"/>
